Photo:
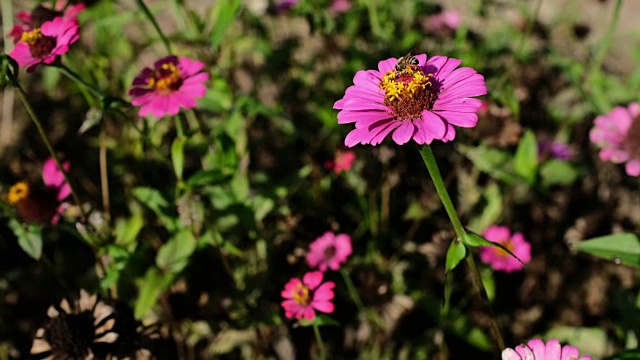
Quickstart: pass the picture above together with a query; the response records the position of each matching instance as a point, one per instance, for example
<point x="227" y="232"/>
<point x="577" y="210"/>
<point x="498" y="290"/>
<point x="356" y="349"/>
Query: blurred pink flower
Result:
<point x="173" y="83"/>
<point x="536" y="349"/>
<point x="555" y="149"/>
<point x="420" y="101"/>
<point x="302" y="298"/>
<point x="54" y="180"/>
<point x="339" y="6"/>
<point x="45" y="43"/>
<point x="284" y="5"/>
<point x="448" y="20"/>
<point x="499" y="259"/>
<point x="29" y="20"/>
<point x="618" y="136"/>
<point x="343" y="161"/>
<point x="329" y="251"/>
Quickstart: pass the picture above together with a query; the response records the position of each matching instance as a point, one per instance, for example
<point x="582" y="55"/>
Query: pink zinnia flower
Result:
<point x="329" y="251"/>
<point x="173" y="83"/>
<point x="499" y="259"/>
<point x="413" y="98"/>
<point x="618" y="135"/>
<point x="29" y="20"/>
<point x="45" y="43"/>
<point x="536" y="349"/>
<point x="339" y="6"/>
<point x="302" y="298"/>
<point x="448" y="20"/>
<point x="343" y="161"/>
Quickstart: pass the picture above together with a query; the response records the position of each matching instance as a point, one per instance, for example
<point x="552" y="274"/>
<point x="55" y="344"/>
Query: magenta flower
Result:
<point x="302" y="298"/>
<point x="448" y="20"/>
<point x="173" y="83"/>
<point x="45" y="43"/>
<point x="415" y="99"/>
<point x="329" y="251"/>
<point x="618" y="136"/>
<point x="30" y="20"/>
<point x="499" y="259"/>
<point x="343" y="161"/>
<point x="536" y="349"/>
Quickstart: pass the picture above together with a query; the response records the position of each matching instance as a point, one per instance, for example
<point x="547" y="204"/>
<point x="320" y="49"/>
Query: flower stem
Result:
<point x="75" y="77"/>
<point x="432" y="167"/>
<point x="352" y="290"/>
<point x="22" y="95"/>
<point x="153" y="21"/>
<point x="606" y="41"/>
<point x="322" y="352"/>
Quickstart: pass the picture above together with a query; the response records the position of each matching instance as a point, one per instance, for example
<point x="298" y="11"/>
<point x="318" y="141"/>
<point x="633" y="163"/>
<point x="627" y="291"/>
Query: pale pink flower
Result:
<point x="303" y="298"/>
<point x="173" y="83"/>
<point x="343" y="161"/>
<point x="420" y="101"/>
<point x="329" y="251"/>
<point x="499" y="259"/>
<point x="536" y="349"/>
<point x="448" y="20"/>
<point x="45" y="43"/>
<point x="617" y="134"/>
<point x="339" y="6"/>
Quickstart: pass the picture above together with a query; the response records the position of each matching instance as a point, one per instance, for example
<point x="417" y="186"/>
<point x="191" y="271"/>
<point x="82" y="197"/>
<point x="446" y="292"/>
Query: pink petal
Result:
<point x="633" y="168"/>
<point x="552" y="350"/>
<point x="569" y="353"/>
<point x="510" y="354"/>
<point x="404" y="132"/>
<point x="433" y="125"/>
<point x="312" y="279"/>
<point x="323" y="306"/>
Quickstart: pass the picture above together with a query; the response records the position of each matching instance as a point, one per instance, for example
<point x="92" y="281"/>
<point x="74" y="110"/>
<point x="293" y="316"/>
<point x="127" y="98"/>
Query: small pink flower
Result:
<point x="416" y="99"/>
<point x="448" y="20"/>
<point x="555" y="149"/>
<point x="339" y="6"/>
<point x="499" y="259"/>
<point x="618" y="136"/>
<point x="173" y="83"/>
<point x="343" y="161"/>
<point x="54" y="180"/>
<point x="302" y="298"/>
<point x="536" y="349"/>
<point x="329" y="251"/>
<point x="45" y="43"/>
<point x="29" y="20"/>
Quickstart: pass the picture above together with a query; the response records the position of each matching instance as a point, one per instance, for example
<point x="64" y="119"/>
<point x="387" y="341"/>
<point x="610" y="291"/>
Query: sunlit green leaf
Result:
<point x="455" y="254"/>
<point x="29" y="238"/>
<point x="319" y="320"/>
<point x="174" y="255"/>
<point x="177" y="155"/>
<point x="558" y="172"/>
<point x="525" y="161"/>
<point x="624" y="248"/>
<point x="152" y="286"/>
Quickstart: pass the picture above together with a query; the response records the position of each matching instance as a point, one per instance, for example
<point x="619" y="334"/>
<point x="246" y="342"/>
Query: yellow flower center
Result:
<point x="507" y="244"/>
<point x="18" y="192"/>
<point x="167" y="77"/>
<point x="301" y="294"/>
<point x="408" y="92"/>
<point x="30" y="37"/>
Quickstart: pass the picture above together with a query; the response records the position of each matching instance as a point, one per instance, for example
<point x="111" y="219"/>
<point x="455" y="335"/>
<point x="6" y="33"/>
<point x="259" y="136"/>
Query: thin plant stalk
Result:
<point x="434" y="172"/>
<point x="153" y="21"/>
<point x="606" y="42"/>
<point x="22" y="95"/>
<point x="322" y="354"/>
<point x="358" y="300"/>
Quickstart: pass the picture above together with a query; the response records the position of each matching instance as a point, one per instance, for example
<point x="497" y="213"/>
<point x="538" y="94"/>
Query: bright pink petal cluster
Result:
<point x="618" y="136"/>
<point x="172" y="84"/>
<point x="499" y="259"/>
<point x="54" y="180"/>
<point x="536" y="349"/>
<point x="29" y="20"/>
<point x="45" y="43"/>
<point x="343" y="161"/>
<point x="303" y="298"/>
<point x="329" y="251"/>
<point x="420" y="101"/>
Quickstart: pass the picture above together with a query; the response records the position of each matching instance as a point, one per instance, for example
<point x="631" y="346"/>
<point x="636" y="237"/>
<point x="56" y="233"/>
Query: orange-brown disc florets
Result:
<point x="408" y="92"/>
<point x="167" y="77"/>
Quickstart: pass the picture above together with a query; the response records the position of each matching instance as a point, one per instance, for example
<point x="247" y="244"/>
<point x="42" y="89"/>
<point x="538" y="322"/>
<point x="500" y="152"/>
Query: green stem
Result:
<point x="530" y="23"/>
<point x="75" y="77"/>
<point x="432" y="167"/>
<point x="322" y="352"/>
<point x="151" y="18"/>
<point x="606" y="41"/>
<point x="352" y="290"/>
<point x="32" y="114"/>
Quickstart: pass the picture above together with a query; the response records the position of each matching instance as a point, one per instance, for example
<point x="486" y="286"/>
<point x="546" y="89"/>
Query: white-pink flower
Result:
<point x="536" y="349"/>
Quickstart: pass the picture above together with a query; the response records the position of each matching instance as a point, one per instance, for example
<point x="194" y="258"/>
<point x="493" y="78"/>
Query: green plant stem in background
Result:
<point x="32" y="114"/>
<point x="606" y="42"/>
<point x="353" y="292"/>
<point x="432" y="167"/>
<point x="530" y="24"/>
<point x="321" y="350"/>
<point x="75" y="77"/>
<point x="153" y="21"/>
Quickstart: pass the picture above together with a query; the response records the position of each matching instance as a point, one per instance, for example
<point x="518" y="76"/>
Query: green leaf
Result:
<point x="525" y="161"/>
<point x="152" y="286"/>
<point x="558" y="172"/>
<point x="455" y="254"/>
<point x="177" y="155"/>
<point x="208" y="177"/>
<point x="126" y="231"/>
<point x="626" y="355"/>
<point x="474" y="240"/>
<point x="150" y="197"/>
<point x="29" y="238"/>
<point x="174" y="255"/>
<point x="319" y="320"/>
<point x="223" y="14"/>
<point x="624" y="248"/>
<point x="494" y="162"/>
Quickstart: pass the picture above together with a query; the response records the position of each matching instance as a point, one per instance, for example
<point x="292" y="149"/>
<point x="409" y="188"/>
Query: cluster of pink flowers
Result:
<point x="501" y="260"/>
<point x="303" y="298"/>
<point x="536" y="349"/>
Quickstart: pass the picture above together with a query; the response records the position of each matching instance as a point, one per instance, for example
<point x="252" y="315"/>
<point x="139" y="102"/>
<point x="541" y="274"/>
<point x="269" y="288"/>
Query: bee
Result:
<point x="406" y="61"/>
